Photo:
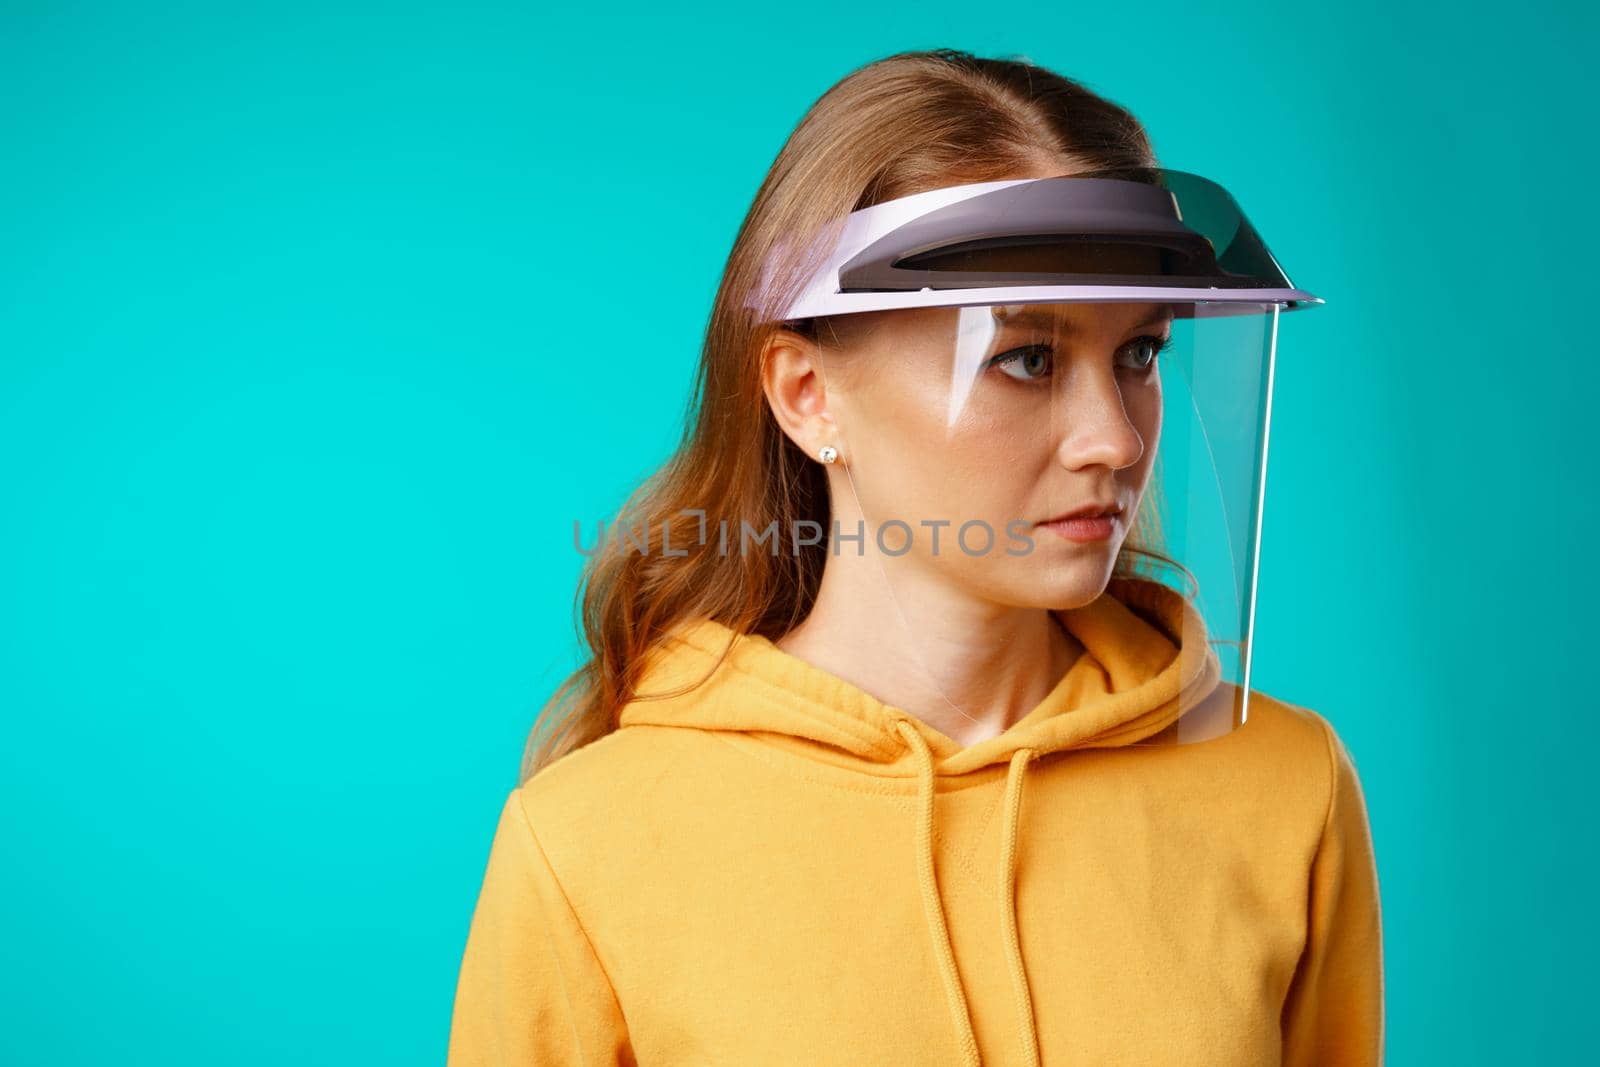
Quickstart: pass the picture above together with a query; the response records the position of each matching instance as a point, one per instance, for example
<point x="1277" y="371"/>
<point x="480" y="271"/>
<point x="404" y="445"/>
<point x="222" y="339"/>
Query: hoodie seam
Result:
<point x="969" y="855"/>
<point x="1333" y="781"/>
<point x="964" y="858"/>
<point x="577" y="919"/>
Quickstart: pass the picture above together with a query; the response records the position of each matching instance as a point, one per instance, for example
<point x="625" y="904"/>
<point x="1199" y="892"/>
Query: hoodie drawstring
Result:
<point x="933" y="906"/>
<point x="1008" y="893"/>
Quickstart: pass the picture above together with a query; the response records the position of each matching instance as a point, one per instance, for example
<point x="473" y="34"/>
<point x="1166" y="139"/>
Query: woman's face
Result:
<point x="998" y="419"/>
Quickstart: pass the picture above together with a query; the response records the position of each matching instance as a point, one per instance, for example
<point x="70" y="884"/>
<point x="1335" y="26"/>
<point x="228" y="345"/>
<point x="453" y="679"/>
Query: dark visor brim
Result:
<point x="1170" y="229"/>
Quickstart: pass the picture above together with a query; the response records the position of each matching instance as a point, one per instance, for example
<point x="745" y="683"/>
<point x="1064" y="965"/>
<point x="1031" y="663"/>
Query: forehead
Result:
<point x="1075" y="318"/>
<point x="948" y="325"/>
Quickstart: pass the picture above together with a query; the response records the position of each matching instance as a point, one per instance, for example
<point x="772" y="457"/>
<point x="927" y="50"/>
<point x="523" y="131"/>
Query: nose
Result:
<point x="1092" y="422"/>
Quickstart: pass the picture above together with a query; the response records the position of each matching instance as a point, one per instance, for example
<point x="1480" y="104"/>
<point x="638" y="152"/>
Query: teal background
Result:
<point x="309" y="358"/>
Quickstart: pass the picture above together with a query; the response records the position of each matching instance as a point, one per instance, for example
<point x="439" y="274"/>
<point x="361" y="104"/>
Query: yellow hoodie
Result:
<point x="777" y="868"/>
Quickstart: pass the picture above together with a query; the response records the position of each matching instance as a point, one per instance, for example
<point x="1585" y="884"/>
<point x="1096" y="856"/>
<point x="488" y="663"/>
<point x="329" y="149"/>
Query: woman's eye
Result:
<point x="1141" y="352"/>
<point x="1028" y="364"/>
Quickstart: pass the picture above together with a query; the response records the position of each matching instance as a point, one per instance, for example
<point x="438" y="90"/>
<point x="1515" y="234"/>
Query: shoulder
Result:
<point x="1300" y="758"/>
<point x="591" y="781"/>
<point x="601" y="809"/>
<point x="1294" y="732"/>
<point x="1336" y="769"/>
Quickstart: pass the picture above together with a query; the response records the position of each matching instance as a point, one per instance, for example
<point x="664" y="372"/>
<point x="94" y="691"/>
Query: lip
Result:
<point x="1110" y="509"/>
<point x="1093" y="522"/>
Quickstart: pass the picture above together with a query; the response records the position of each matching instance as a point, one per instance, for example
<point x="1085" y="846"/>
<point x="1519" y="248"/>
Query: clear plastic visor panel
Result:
<point x="1035" y="455"/>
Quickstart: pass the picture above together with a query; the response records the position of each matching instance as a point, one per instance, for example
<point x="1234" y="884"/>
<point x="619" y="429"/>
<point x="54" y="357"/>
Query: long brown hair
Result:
<point x="904" y="124"/>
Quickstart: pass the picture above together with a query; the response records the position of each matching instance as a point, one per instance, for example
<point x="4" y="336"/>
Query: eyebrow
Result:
<point x="1047" y="318"/>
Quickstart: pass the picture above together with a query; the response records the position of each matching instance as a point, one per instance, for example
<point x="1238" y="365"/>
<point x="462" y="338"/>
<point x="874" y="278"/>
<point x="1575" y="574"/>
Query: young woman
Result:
<point x="779" y="817"/>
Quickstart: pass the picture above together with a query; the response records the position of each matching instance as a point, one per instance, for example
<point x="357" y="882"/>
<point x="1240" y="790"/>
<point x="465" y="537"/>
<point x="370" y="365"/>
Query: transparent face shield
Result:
<point x="1035" y="455"/>
<point x="1045" y="390"/>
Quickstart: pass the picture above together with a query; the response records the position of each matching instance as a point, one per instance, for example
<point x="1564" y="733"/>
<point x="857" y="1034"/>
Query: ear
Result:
<point x="792" y="379"/>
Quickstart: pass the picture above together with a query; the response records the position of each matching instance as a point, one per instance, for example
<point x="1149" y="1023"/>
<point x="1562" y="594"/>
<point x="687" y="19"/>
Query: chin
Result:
<point x="1064" y="596"/>
<point x="1057" y="586"/>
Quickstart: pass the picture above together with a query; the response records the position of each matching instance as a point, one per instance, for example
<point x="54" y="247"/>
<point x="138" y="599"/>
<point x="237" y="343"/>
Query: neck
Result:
<point x="929" y="646"/>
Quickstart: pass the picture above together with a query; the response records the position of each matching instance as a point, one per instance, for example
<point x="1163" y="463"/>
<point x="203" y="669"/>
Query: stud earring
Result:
<point x="828" y="453"/>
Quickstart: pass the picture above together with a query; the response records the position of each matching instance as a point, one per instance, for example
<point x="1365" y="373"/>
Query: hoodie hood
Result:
<point x="1132" y="681"/>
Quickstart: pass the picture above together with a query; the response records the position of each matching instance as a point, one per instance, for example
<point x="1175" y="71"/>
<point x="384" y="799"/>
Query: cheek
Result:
<point x="988" y="464"/>
<point x="896" y="437"/>
<point x="915" y="463"/>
